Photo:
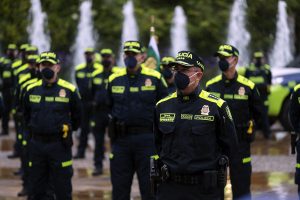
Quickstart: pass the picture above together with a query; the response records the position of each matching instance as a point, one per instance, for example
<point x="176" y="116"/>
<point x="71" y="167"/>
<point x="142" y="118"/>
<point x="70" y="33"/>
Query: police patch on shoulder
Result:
<point x="62" y="93"/>
<point x="213" y="97"/>
<point x="166" y="117"/>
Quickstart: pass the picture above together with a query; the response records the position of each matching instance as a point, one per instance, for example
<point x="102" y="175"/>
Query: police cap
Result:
<point x="106" y="52"/>
<point x="188" y="59"/>
<point x="132" y="46"/>
<point x="12" y="47"/>
<point x="167" y="60"/>
<point x="258" y="54"/>
<point x="227" y="50"/>
<point x="89" y="50"/>
<point x="48" y="57"/>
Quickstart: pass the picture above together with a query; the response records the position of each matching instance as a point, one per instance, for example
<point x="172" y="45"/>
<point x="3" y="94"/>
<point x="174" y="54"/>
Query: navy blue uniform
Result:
<point x="294" y="116"/>
<point x="100" y="111"/>
<point x="51" y="112"/>
<point x="191" y="133"/>
<point x="245" y="104"/>
<point x="132" y="99"/>
<point x="83" y="75"/>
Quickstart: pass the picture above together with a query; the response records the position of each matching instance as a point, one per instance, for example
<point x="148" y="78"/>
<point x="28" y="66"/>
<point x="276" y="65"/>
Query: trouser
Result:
<point x="7" y="106"/>
<point x="85" y="126"/>
<point x="240" y="176"/>
<point x="101" y="122"/>
<point x="50" y="162"/>
<point x="174" y="191"/>
<point x="265" y="124"/>
<point x="297" y="173"/>
<point x="131" y="153"/>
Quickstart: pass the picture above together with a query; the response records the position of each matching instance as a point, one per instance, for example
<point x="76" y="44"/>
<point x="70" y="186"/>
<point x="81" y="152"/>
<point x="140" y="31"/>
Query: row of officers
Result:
<point x="191" y="135"/>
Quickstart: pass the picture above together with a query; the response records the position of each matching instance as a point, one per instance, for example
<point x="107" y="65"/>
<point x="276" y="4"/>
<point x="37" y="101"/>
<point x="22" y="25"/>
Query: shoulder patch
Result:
<point x="173" y="95"/>
<point x="296" y="87"/>
<point x="38" y="83"/>
<point x="119" y="73"/>
<point x="150" y="72"/>
<point x="97" y="71"/>
<point x="214" y="80"/>
<point x="80" y="66"/>
<point x="245" y="81"/>
<point x="212" y="98"/>
<point x="66" y="84"/>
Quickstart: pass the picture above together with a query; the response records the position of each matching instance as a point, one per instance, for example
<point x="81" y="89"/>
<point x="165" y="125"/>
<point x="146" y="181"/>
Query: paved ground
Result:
<point x="273" y="169"/>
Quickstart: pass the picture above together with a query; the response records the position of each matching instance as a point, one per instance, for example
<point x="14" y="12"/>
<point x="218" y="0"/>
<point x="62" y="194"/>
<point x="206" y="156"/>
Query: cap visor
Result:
<point x="48" y="60"/>
<point x="222" y="53"/>
<point x="132" y="50"/>
<point x="185" y="64"/>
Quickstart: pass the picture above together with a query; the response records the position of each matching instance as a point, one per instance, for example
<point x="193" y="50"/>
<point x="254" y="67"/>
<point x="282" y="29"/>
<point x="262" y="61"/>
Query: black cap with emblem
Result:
<point x="188" y="59"/>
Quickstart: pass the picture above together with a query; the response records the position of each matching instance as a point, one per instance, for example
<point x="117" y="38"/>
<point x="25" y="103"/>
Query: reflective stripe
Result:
<point x="155" y="157"/>
<point x="62" y="99"/>
<point x="20" y="136"/>
<point x="93" y="123"/>
<point x="241" y="97"/>
<point x="80" y="75"/>
<point x="148" y="88"/>
<point x="29" y="164"/>
<point x="257" y="79"/>
<point x="133" y="89"/>
<point x="297" y="165"/>
<point x="247" y="160"/>
<point x="67" y="163"/>
<point x="35" y="98"/>
<point x="6" y="74"/>
<point x="49" y="99"/>
<point x="24" y="142"/>
<point x="111" y="156"/>
<point x="118" y="89"/>
<point x="228" y="96"/>
<point x="97" y="81"/>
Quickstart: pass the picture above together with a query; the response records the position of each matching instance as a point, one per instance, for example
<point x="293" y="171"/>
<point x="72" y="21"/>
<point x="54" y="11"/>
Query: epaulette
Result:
<point x="173" y="95"/>
<point x="296" y="87"/>
<point x="245" y="81"/>
<point x="212" y="98"/>
<point x="80" y="66"/>
<point x="214" y="80"/>
<point x="97" y="71"/>
<point x="66" y="84"/>
<point x="38" y="83"/>
<point x="119" y="73"/>
<point x="150" y="72"/>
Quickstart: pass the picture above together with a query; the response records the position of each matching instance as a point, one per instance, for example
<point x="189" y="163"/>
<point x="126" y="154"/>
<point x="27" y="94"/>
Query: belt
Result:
<point x="139" y="129"/>
<point x="47" y="138"/>
<point x="187" y="179"/>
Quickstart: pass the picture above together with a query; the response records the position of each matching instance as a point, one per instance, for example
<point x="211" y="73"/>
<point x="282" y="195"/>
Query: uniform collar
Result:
<point x="186" y="98"/>
<point x="229" y="81"/>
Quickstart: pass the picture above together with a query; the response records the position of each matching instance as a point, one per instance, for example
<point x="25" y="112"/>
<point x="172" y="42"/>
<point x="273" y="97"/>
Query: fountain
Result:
<point x="86" y="36"/>
<point x="238" y="35"/>
<point x="130" y="28"/>
<point x="179" y="36"/>
<point x="281" y="54"/>
<point x="36" y="30"/>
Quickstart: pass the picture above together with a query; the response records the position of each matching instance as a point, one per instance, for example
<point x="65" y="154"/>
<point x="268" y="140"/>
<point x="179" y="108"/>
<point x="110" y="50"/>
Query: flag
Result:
<point x="153" y="60"/>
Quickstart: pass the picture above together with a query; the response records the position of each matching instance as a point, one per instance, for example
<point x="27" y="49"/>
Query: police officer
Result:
<point x="51" y="111"/>
<point x="294" y="116"/>
<point x="7" y="85"/>
<point x="193" y="131"/>
<point x="259" y="73"/>
<point x="101" y="110"/>
<point x="83" y="77"/>
<point x="133" y="93"/>
<point x="167" y="72"/>
<point x="245" y="103"/>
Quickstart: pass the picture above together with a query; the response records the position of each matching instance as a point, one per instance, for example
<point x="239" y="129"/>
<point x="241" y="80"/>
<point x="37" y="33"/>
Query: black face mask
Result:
<point x="258" y="63"/>
<point x="223" y="64"/>
<point x="47" y="73"/>
<point x="167" y="73"/>
<point x="130" y="62"/>
<point x="106" y="63"/>
<point x="181" y="80"/>
<point x="11" y="55"/>
<point x="89" y="59"/>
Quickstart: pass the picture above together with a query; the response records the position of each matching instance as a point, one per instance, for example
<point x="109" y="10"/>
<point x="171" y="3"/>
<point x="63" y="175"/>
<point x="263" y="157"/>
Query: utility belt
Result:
<point x="117" y="128"/>
<point x="208" y="178"/>
<point x="64" y="135"/>
<point x="247" y="130"/>
<point x="46" y="138"/>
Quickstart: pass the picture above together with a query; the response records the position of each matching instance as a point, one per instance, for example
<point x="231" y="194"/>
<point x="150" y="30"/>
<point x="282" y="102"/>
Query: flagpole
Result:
<point x="152" y="28"/>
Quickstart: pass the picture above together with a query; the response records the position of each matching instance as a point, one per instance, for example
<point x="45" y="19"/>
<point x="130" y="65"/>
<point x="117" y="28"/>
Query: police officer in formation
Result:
<point x="133" y="92"/>
<point x="246" y="106"/>
<point x="52" y="110"/>
<point x="83" y="77"/>
<point x="259" y="73"/>
<point x="101" y="110"/>
<point x="193" y="131"/>
<point x="168" y="73"/>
